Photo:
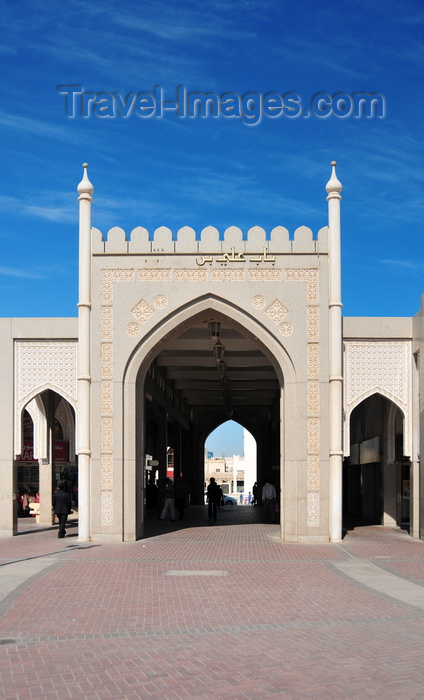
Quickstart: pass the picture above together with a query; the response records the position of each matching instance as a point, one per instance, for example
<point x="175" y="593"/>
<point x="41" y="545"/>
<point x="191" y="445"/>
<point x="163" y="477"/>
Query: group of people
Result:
<point x="175" y="499"/>
<point x="268" y="499"/>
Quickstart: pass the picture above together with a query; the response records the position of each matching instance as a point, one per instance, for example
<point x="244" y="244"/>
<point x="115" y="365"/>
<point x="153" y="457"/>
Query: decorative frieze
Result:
<point x="160" y="274"/>
<point x="106" y="397"/>
<point x="312" y="360"/>
<point x="312" y="323"/>
<point x="190" y="275"/>
<point x="111" y="276"/>
<point x="308" y="275"/>
<point x="311" y="277"/>
<point x="313" y="509"/>
<point x="227" y="275"/>
<point x="313" y="398"/>
<point x="268" y="274"/>
<point x="106" y="360"/>
<point x="106" y="500"/>
<point x="106" y="323"/>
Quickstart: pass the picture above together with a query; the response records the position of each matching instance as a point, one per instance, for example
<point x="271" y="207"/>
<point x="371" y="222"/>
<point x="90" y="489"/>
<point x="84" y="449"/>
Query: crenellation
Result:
<point x="140" y="241"/>
<point x="97" y="241"/>
<point x="303" y="241"/>
<point x="322" y="240"/>
<point x="210" y="241"/>
<point x="256" y="240"/>
<point x="116" y="241"/>
<point x="163" y="241"/>
<point x="186" y="240"/>
<point x="233" y="238"/>
<point x="280" y="240"/>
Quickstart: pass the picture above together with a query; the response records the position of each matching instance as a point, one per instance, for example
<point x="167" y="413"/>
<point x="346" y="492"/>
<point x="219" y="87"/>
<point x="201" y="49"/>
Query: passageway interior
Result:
<point x="208" y="374"/>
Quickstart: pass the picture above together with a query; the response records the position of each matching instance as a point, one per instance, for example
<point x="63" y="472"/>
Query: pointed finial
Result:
<point x="334" y="184"/>
<point x="85" y="185"/>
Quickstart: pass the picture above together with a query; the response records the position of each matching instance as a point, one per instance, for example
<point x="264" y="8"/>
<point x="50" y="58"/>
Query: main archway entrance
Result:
<point x="208" y="373"/>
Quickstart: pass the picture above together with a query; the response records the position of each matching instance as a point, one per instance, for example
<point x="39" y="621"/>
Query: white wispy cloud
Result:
<point x="21" y="273"/>
<point x="405" y="265"/>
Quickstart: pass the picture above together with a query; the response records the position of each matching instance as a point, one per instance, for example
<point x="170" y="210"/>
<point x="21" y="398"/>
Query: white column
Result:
<point x="85" y="189"/>
<point x="334" y="188"/>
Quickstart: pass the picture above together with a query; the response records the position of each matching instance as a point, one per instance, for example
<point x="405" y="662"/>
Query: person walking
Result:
<point x="169" y="500"/>
<point x="181" y="493"/>
<point x="269" y="497"/>
<point x="255" y="492"/>
<point x="62" y="507"/>
<point x="214" y="498"/>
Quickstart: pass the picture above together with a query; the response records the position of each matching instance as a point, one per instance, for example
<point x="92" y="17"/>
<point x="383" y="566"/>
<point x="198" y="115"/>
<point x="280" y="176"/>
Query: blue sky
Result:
<point x="227" y="440"/>
<point x="212" y="171"/>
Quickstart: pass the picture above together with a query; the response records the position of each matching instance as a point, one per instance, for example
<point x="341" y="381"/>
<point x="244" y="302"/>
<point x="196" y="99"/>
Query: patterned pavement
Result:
<point x="204" y="611"/>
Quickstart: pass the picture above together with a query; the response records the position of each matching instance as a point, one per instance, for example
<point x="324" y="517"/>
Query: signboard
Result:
<point x="60" y="452"/>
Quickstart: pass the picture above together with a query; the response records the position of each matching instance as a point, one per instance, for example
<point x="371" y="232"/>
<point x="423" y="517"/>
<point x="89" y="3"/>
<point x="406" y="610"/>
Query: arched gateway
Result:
<point x="177" y="334"/>
<point x="263" y="313"/>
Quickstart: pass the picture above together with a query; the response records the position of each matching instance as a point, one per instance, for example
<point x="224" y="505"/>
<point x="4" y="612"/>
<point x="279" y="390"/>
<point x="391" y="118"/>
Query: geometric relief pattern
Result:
<point x="382" y="366"/>
<point x="227" y="276"/>
<point x="276" y="311"/>
<point x="107" y="508"/>
<point x="161" y="274"/>
<point x="133" y="329"/>
<point x="258" y="301"/>
<point x="313" y="473"/>
<point x="311" y="277"/>
<point x="313" y="509"/>
<point x="108" y="279"/>
<point x="189" y="275"/>
<point x="313" y="398"/>
<point x="286" y="329"/>
<point x="308" y="275"/>
<point x="312" y="358"/>
<point x="161" y="301"/>
<point x="313" y="323"/>
<point x="264" y="275"/>
<point x="141" y="311"/>
<point x="42" y="364"/>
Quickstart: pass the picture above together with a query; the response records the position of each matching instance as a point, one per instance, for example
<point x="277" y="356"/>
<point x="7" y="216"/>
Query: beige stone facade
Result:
<point x="178" y="333"/>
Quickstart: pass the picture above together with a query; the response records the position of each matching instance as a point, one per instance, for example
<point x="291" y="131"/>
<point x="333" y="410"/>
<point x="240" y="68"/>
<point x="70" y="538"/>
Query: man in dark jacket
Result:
<point x="214" y="498"/>
<point x="62" y="506"/>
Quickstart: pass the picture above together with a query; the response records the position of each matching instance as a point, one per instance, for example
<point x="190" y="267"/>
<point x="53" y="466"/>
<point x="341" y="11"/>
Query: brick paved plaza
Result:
<point x="205" y="611"/>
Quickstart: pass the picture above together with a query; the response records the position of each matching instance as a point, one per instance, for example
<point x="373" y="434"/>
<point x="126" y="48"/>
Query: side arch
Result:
<point x="394" y="400"/>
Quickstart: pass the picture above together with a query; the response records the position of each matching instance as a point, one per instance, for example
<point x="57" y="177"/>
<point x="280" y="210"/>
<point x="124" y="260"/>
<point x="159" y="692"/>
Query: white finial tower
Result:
<point x="334" y="188"/>
<point x="85" y="190"/>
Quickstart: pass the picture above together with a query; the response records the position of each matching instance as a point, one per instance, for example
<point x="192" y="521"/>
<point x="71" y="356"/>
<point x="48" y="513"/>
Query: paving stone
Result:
<point x="158" y="619"/>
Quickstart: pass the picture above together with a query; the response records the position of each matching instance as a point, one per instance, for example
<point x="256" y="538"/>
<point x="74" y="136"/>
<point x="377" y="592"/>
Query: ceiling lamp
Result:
<point x="214" y="329"/>
<point x="222" y="368"/>
<point x="218" y="351"/>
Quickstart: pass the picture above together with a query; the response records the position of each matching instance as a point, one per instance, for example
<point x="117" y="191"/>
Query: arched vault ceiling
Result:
<point x="191" y="366"/>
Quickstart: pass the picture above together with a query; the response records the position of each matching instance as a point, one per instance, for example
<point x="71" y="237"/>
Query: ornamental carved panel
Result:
<point x="378" y="366"/>
<point x="41" y="365"/>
